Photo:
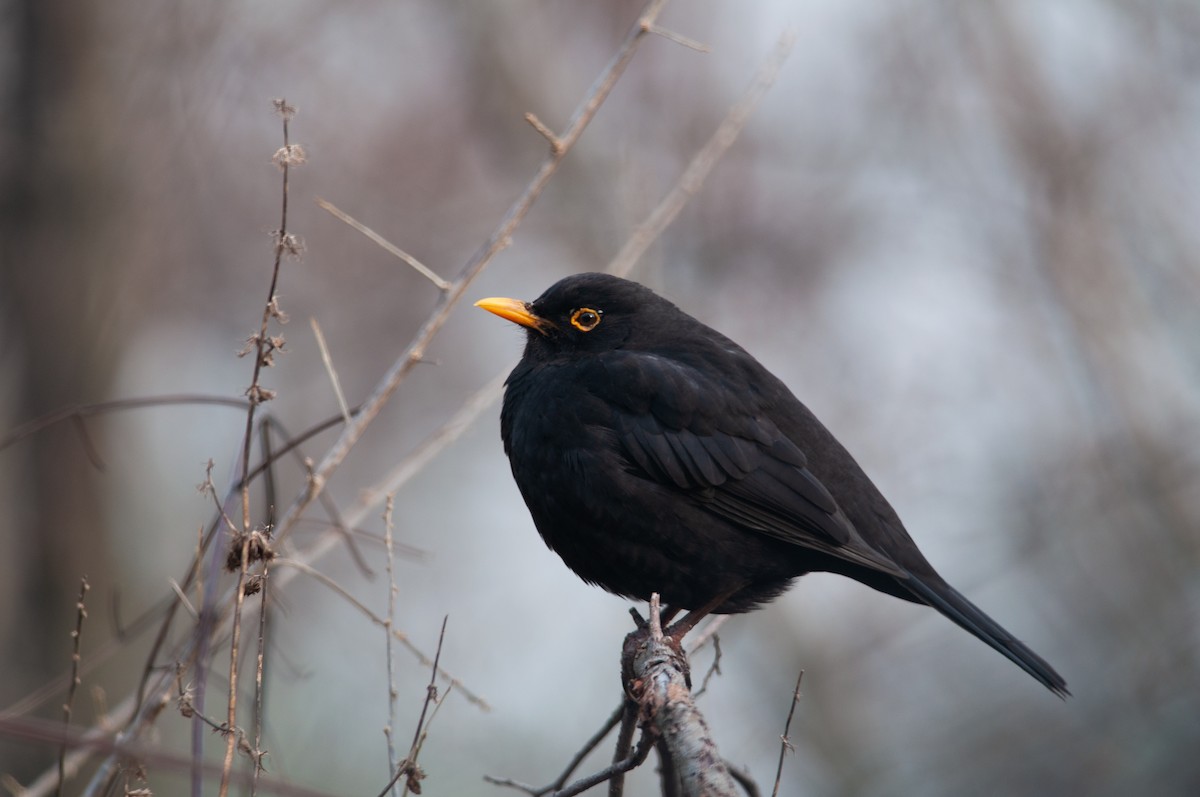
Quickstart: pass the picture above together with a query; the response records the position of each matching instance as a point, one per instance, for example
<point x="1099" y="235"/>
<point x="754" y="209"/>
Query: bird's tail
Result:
<point x="950" y="602"/>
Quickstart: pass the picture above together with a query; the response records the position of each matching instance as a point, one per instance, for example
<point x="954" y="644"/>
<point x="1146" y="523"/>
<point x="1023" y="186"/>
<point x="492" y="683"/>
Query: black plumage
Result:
<point x="656" y="455"/>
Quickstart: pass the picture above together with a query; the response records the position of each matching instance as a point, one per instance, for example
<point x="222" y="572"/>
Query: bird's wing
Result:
<point x="682" y="428"/>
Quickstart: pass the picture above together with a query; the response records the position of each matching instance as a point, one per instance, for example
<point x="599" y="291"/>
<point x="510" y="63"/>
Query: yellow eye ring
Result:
<point x="585" y="319"/>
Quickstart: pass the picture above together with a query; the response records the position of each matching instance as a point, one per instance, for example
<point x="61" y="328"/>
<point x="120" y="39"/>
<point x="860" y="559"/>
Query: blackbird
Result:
<point x="657" y="455"/>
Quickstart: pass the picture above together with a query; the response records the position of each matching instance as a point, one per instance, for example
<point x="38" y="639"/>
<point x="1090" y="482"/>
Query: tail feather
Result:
<point x="951" y="603"/>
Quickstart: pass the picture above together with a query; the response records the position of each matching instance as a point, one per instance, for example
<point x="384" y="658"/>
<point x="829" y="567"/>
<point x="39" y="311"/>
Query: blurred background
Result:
<point x="964" y="234"/>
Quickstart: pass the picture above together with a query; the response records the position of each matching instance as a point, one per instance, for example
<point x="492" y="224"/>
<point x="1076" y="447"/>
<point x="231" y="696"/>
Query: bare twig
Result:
<point x="785" y="744"/>
<point x="389" y="624"/>
<point x="548" y="134"/>
<point x="257" y="753"/>
<point x="408" y="769"/>
<point x="634" y="761"/>
<point x="89" y="447"/>
<point x="423" y="454"/>
<point x="263" y="347"/>
<point x="629" y="716"/>
<point x="400" y="637"/>
<point x="76" y="640"/>
<point x="386" y="245"/>
<point x="615" y="770"/>
<point x="672" y="36"/>
<point x="575" y="761"/>
<point x="708" y="631"/>
<point x="330" y="370"/>
<point x="713" y="669"/>
<point x="86" y="410"/>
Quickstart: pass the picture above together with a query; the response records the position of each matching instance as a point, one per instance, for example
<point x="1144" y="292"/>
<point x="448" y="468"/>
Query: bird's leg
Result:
<point x="689" y="621"/>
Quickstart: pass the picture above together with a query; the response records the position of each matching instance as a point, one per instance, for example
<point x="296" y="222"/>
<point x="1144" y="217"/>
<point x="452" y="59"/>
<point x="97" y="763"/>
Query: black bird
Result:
<point x="656" y="455"/>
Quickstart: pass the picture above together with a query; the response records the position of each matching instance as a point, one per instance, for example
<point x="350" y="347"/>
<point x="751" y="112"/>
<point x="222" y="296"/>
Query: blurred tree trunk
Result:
<point x="57" y="288"/>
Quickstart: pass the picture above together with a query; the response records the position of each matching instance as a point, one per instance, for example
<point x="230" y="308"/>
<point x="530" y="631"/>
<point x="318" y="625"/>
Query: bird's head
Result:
<point x="585" y="313"/>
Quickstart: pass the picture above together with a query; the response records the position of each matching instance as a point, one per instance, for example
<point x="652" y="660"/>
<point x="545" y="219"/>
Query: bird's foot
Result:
<point x="650" y="634"/>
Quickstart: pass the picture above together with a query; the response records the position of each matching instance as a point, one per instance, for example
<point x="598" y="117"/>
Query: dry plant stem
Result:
<point x="327" y="360"/>
<point x="388" y="625"/>
<point x="89" y="447"/>
<point x="699" y="167"/>
<point x="629" y="716"/>
<point x="713" y="669"/>
<point x="785" y="744"/>
<point x="574" y="763"/>
<point x="107" y="649"/>
<point x="408" y="768"/>
<point x="76" y="638"/>
<point x="451" y="296"/>
<point x="430" y="447"/>
<point x="590" y="745"/>
<point x="256" y="397"/>
<point x="672" y="36"/>
<point x="101" y="408"/>
<point x="385" y="244"/>
<point x="399" y="636"/>
<point x="258" y="679"/>
<point x="635" y="760"/>
<point x="431" y="689"/>
<point x="270" y="455"/>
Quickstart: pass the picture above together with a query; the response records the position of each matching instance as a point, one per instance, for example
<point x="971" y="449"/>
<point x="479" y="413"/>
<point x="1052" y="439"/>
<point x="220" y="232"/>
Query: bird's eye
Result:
<point x="585" y="319"/>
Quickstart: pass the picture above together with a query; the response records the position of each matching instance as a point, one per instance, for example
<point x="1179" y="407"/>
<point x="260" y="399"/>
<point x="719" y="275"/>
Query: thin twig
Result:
<point x="430" y="447"/>
<point x="572" y="765"/>
<point x="270" y="455"/>
<point x="708" y="631"/>
<point x="258" y="753"/>
<point x="89" y="447"/>
<point x="389" y="624"/>
<point x="785" y="744"/>
<point x="629" y="715"/>
<point x="408" y="768"/>
<point x="431" y="689"/>
<point x="645" y="745"/>
<point x="327" y="360"/>
<point x="547" y="133"/>
<point x="120" y="405"/>
<point x="263" y="347"/>
<point x="183" y="599"/>
<point x="385" y="244"/>
<point x="713" y="669"/>
<point x="678" y="38"/>
<point x="76" y="639"/>
<point x="402" y="638"/>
